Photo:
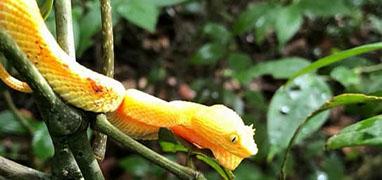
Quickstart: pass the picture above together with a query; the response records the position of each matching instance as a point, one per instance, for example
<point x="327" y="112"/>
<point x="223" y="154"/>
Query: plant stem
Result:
<point x="64" y="26"/>
<point x="182" y="172"/>
<point x="107" y="68"/>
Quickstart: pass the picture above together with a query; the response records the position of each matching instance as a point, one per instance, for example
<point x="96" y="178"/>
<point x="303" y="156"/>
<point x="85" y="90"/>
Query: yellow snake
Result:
<point x="135" y="113"/>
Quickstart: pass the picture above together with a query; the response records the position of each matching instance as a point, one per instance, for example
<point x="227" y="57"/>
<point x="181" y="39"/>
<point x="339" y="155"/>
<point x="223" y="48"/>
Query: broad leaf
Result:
<point x="10" y="125"/>
<point x="251" y="18"/>
<point x="279" y="69"/>
<point x="340" y="100"/>
<point x="345" y="76"/>
<point x="325" y="8"/>
<point x="288" y="23"/>
<point x="142" y="13"/>
<point x="162" y="3"/>
<point x="289" y="107"/>
<point x="42" y="145"/>
<point x="366" y="132"/>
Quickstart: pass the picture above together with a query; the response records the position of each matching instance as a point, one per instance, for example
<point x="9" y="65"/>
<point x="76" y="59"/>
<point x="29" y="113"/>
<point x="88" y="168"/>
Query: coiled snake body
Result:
<point x="135" y="113"/>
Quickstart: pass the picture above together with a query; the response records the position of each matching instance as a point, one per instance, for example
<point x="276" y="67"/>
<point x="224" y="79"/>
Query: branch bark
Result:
<point x="62" y="120"/>
<point x="107" y="68"/>
<point x="64" y="26"/>
<point x="181" y="171"/>
<point x="12" y="170"/>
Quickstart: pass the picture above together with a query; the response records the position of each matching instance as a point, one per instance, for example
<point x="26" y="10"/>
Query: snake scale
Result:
<point x="134" y="112"/>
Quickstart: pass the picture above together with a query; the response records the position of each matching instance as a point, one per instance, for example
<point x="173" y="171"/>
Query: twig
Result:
<point x="12" y="170"/>
<point x="179" y="170"/>
<point x="107" y="68"/>
<point x="64" y="26"/>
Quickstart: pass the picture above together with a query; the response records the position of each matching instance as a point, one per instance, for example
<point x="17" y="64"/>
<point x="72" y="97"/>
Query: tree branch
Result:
<point x="61" y="119"/>
<point x="182" y="172"/>
<point x="12" y="170"/>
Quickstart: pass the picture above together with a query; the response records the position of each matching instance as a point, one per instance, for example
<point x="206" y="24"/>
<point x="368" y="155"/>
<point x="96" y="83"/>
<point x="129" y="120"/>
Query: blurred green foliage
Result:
<point x="241" y="53"/>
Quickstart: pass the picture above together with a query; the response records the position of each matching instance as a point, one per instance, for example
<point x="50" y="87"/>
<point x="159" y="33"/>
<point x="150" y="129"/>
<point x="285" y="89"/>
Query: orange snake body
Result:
<point x="135" y="113"/>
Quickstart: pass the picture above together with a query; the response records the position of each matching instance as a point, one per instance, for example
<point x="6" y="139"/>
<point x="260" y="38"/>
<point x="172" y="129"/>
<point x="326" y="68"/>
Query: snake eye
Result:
<point x="234" y="138"/>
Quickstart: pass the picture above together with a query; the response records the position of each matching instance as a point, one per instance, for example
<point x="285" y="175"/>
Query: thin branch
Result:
<point x="12" y="170"/>
<point x="107" y="68"/>
<point x="64" y="26"/>
<point x="182" y="172"/>
<point x="107" y="38"/>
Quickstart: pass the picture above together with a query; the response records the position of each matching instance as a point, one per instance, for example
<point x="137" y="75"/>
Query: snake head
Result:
<point x="229" y="138"/>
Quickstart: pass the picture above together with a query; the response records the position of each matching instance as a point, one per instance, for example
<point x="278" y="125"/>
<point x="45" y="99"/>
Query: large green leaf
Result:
<point x="142" y="13"/>
<point x="366" y="132"/>
<point x="10" y="125"/>
<point x="251" y="17"/>
<point x="289" y="107"/>
<point x="167" y="2"/>
<point x="337" y="57"/>
<point x="345" y="76"/>
<point x="288" y="23"/>
<point x="325" y="8"/>
<point x="340" y="100"/>
<point x="279" y="69"/>
<point x="42" y="145"/>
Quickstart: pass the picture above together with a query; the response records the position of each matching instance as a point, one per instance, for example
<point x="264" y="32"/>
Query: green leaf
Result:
<point x="345" y="76"/>
<point x="10" y="125"/>
<point x="208" y="54"/>
<point x="225" y="174"/>
<point x="172" y="147"/>
<point x="142" y="13"/>
<point x="346" y="99"/>
<point x="366" y="132"/>
<point x="289" y="107"/>
<point x="248" y="171"/>
<point x="218" y="33"/>
<point x="340" y="100"/>
<point x="239" y="63"/>
<point x="139" y="167"/>
<point x="46" y="8"/>
<point x="325" y="8"/>
<point x="162" y="3"/>
<point x="376" y="23"/>
<point x="288" y="23"/>
<point x="334" y="167"/>
<point x="279" y="69"/>
<point x="42" y="145"/>
<point x="336" y="57"/>
<point x="252" y="17"/>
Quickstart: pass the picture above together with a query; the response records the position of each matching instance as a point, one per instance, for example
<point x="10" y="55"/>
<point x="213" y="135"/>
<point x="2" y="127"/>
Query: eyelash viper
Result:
<point x="135" y="113"/>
